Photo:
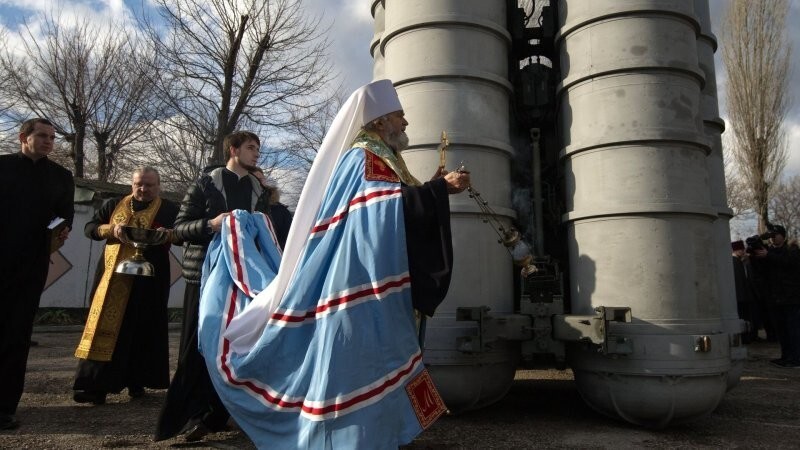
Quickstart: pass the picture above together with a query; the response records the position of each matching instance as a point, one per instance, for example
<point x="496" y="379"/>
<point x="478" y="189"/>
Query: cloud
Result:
<point x="104" y="17"/>
<point x="359" y="11"/>
<point x="349" y="37"/>
<point x="66" y="12"/>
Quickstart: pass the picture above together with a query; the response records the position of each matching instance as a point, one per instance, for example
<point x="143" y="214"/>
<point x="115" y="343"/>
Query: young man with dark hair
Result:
<point x="192" y="406"/>
<point x="33" y="191"/>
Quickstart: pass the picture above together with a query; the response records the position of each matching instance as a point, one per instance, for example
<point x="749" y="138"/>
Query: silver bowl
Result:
<point x="144" y="236"/>
<point x="140" y="238"/>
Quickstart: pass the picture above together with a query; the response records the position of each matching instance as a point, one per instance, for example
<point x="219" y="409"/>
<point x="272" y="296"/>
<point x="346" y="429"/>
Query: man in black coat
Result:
<point x="782" y="263"/>
<point x="137" y="354"/>
<point x="192" y="406"/>
<point x="746" y="291"/>
<point x="33" y="191"/>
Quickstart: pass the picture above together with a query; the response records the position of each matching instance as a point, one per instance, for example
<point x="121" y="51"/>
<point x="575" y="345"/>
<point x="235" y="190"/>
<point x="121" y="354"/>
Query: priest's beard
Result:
<point x="396" y="139"/>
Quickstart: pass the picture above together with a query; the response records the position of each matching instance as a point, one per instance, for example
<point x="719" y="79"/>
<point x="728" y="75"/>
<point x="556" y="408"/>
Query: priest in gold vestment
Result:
<point x="125" y="342"/>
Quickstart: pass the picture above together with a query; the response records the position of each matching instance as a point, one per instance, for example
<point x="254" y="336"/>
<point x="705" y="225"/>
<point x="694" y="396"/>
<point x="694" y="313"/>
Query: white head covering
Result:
<point x="367" y="103"/>
<point x="380" y="98"/>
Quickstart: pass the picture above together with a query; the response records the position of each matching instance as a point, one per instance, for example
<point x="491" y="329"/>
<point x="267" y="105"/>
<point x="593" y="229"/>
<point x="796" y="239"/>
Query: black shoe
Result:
<point x="135" y="391"/>
<point x="97" y="398"/>
<point x="8" y="422"/>
<point x="195" y="432"/>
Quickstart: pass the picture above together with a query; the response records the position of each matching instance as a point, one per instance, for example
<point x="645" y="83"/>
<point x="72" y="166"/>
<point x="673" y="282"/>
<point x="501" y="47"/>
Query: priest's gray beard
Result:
<point x="395" y="138"/>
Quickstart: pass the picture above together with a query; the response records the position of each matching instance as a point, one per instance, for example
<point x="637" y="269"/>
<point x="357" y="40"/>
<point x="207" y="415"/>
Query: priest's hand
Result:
<point x="456" y="181"/>
<point x="119" y="234"/>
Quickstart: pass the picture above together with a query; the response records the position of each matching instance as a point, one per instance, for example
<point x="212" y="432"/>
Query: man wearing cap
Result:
<point x="326" y="354"/>
<point x="782" y="262"/>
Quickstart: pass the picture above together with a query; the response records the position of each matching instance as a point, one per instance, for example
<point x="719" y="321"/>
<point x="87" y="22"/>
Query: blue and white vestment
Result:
<point x="338" y="364"/>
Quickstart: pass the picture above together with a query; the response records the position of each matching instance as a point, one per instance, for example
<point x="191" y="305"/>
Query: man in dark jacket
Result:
<point x="33" y="192"/>
<point x="782" y="263"/>
<point x="746" y="291"/>
<point x="192" y="406"/>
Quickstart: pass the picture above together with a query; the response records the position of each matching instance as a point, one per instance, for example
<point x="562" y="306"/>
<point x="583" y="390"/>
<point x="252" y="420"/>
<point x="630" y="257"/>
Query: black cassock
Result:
<point x="429" y="243"/>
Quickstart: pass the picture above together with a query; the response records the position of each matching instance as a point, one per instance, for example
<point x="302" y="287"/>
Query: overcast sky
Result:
<point x="351" y="32"/>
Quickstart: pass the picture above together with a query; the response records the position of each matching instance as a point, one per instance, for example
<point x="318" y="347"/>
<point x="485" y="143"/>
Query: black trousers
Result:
<point x="191" y="395"/>
<point x="21" y="288"/>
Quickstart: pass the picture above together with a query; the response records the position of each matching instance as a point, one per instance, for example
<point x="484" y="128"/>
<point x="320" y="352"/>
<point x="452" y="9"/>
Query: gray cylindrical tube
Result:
<point x="640" y="217"/>
<point x="449" y="62"/>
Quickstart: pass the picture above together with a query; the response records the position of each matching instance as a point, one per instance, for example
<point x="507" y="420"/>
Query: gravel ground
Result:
<point x="542" y="410"/>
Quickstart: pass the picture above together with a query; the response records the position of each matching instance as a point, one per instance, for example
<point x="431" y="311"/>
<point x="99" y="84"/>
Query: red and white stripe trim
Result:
<point x="365" y="198"/>
<point x="316" y="410"/>
<point x="237" y="247"/>
<point x="348" y="298"/>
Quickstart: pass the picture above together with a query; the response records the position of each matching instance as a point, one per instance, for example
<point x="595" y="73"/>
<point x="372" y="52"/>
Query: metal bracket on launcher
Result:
<point x="569" y="328"/>
<point x="513" y="327"/>
<point x="594" y="329"/>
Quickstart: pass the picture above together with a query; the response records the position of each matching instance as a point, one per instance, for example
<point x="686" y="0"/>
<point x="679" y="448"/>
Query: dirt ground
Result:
<point x="543" y="410"/>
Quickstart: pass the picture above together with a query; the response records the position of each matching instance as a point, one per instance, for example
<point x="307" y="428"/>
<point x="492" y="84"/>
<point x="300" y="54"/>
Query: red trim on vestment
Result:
<point x="292" y="318"/>
<point x="325" y="224"/>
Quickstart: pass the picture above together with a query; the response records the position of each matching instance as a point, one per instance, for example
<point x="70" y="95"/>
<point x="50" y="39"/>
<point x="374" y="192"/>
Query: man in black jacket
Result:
<point x="33" y="191"/>
<point x="192" y="406"/>
<point x="747" y="295"/>
<point x="782" y="263"/>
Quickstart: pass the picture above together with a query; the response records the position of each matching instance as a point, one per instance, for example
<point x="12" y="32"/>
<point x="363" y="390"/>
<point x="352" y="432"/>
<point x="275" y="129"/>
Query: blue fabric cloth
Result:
<point x="331" y="367"/>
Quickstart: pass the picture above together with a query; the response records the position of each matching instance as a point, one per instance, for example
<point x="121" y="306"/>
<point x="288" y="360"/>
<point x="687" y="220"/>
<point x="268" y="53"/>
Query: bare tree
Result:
<point x="736" y="192"/>
<point x="230" y="64"/>
<point x="61" y="76"/>
<point x="785" y="206"/>
<point x="128" y="108"/>
<point x="757" y="58"/>
<point x="53" y="79"/>
<point x="308" y="131"/>
<point x="170" y="148"/>
<point x="738" y="195"/>
<point x="6" y="101"/>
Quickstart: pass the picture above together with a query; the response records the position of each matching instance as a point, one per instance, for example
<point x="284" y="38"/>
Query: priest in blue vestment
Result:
<point x="316" y="345"/>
